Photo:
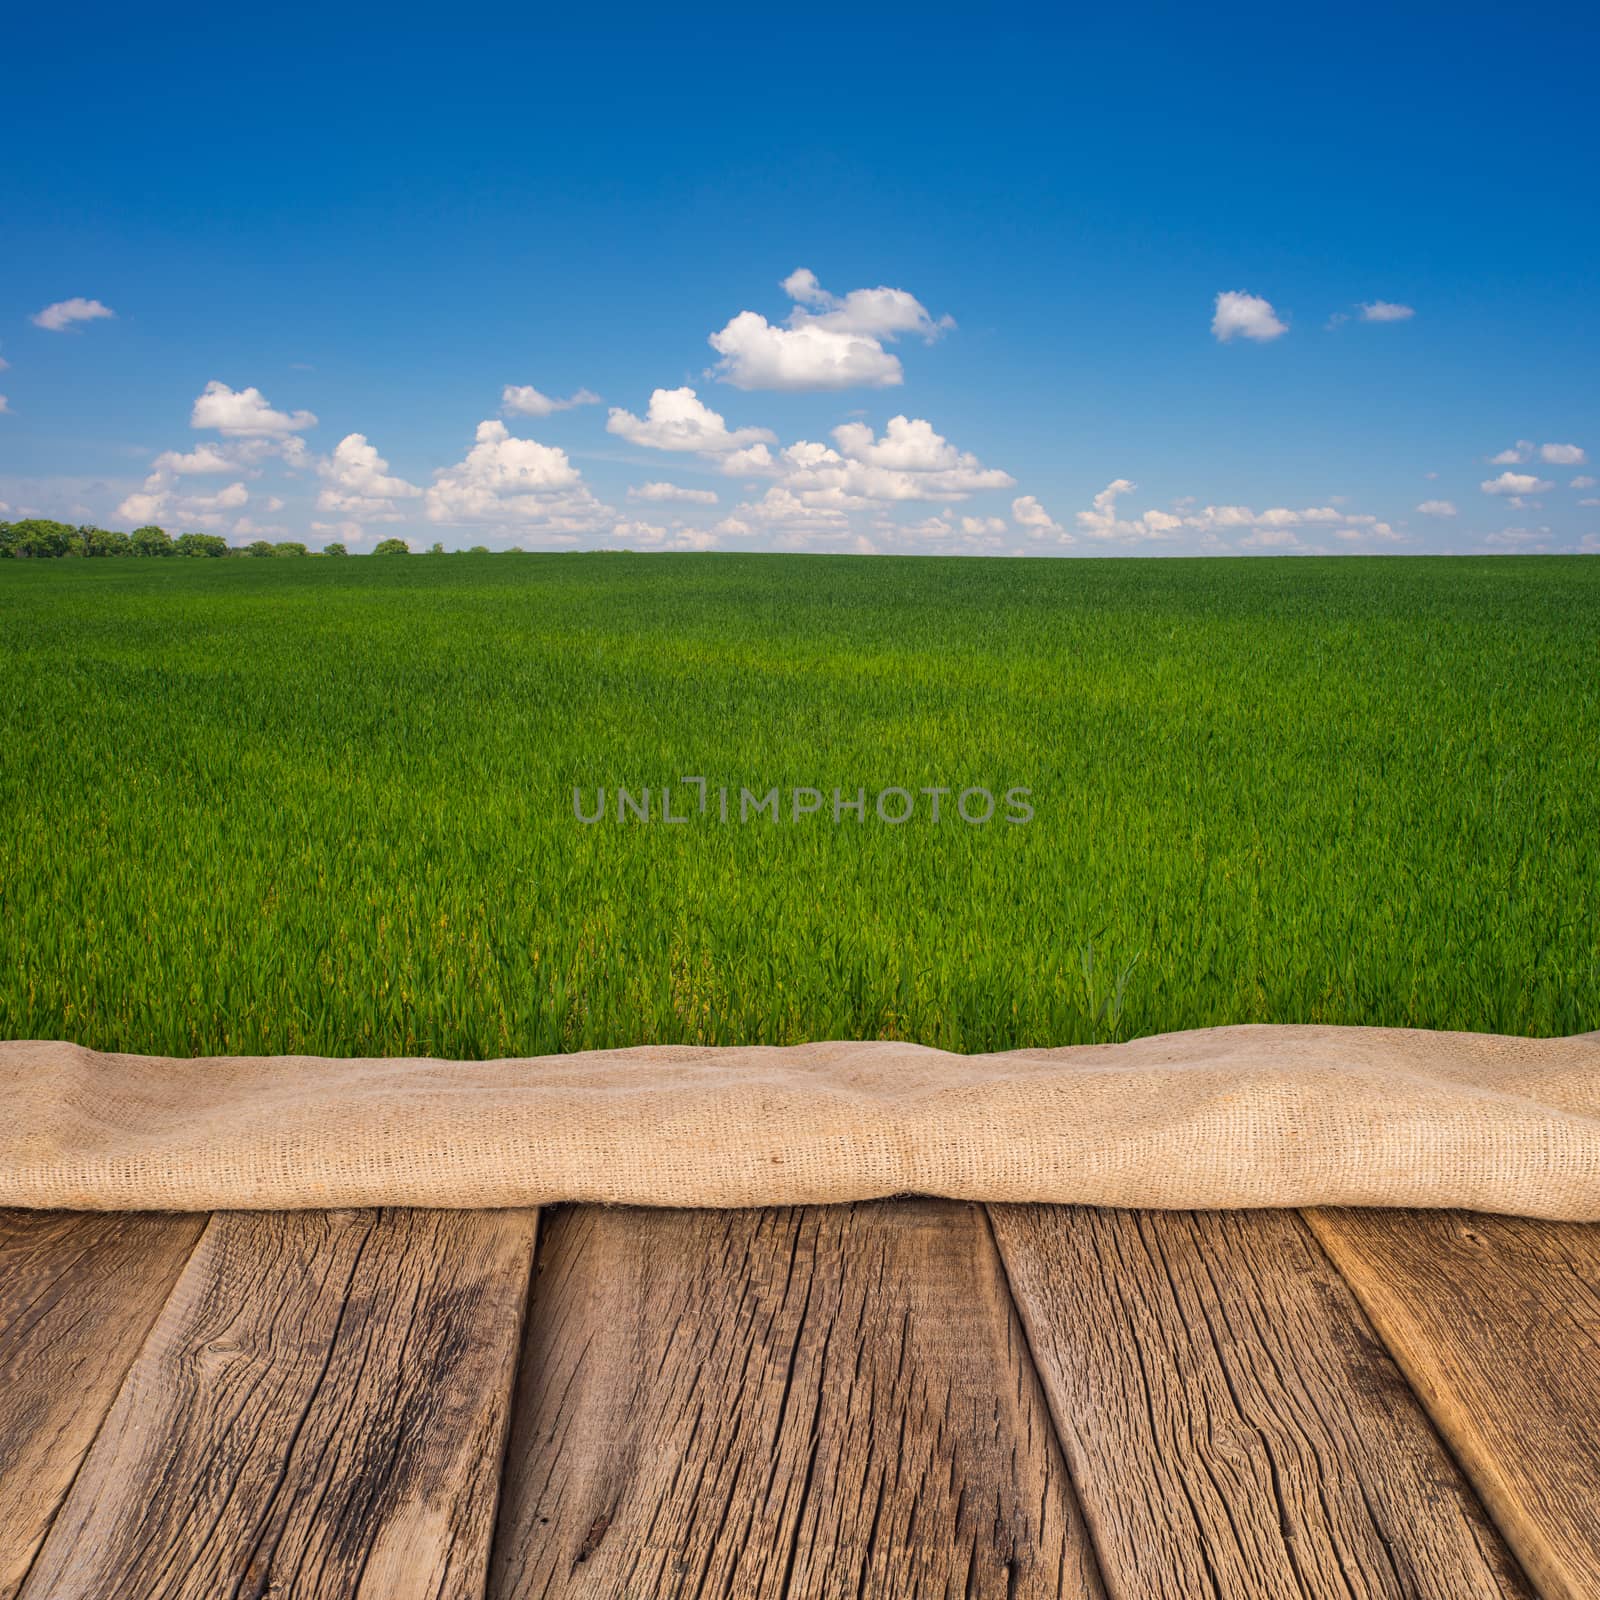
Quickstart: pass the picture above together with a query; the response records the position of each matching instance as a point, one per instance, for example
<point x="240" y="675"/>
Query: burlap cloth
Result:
<point x="1246" y="1116"/>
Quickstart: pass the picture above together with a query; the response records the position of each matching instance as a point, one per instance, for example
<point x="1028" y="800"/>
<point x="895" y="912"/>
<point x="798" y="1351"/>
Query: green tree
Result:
<point x="201" y="544"/>
<point x="261" y="547"/>
<point x="38" y="539"/>
<point x="334" y="549"/>
<point x="290" y="547"/>
<point x="392" y="547"/>
<point x="435" y="549"/>
<point x="104" y="542"/>
<point x="151" y="541"/>
<point x="479" y="550"/>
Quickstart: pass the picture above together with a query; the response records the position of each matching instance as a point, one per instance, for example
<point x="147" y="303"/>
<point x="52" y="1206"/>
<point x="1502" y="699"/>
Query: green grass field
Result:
<point x="326" y="806"/>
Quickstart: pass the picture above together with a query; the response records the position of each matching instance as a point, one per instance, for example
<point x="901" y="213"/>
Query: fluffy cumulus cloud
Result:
<point x="1103" y="521"/>
<point x="357" y="485"/>
<point x="252" y="435"/>
<point x="1583" y="483"/>
<point x="516" y="485"/>
<point x="828" y="341"/>
<point x="782" y="509"/>
<point x="166" y="506"/>
<point x="64" y="313"/>
<point x="245" y="414"/>
<point x="1386" y="311"/>
<point x="1515" y="483"/>
<point x="1035" y="521"/>
<point x="1245" y="316"/>
<point x="909" y="461"/>
<point x="1437" y="508"/>
<point x="5" y="405"/>
<point x="523" y="400"/>
<point x="658" y="491"/>
<point x="678" y="420"/>
<point x="1562" y="455"/>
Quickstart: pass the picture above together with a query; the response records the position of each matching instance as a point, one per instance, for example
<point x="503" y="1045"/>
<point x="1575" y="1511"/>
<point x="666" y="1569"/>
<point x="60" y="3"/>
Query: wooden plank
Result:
<point x="1232" y="1425"/>
<point x="1496" y="1321"/>
<point x="319" y="1411"/>
<point x="78" y="1292"/>
<point x="830" y="1401"/>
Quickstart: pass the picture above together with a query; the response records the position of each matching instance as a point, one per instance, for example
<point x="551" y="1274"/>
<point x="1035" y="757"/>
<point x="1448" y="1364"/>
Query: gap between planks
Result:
<point x="1496" y="1322"/>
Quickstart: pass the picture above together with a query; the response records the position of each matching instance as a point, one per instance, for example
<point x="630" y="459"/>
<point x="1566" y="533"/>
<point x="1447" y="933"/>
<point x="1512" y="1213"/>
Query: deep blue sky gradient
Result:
<point x="384" y="219"/>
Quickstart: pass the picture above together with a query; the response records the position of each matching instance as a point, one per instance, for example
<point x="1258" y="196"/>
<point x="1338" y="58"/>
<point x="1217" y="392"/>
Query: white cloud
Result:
<point x="878" y="313"/>
<point x="757" y="355"/>
<point x="671" y="491"/>
<point x="1437" y="508"/>
<point x="1562" y="455"/>
<point x="783" y="509"/>
<point x="909" y="462"/>
<point x="1521" y="451"/>
<point x="1245" y="316"/>
<point x="1592" y="502"/>
<point x="160" y="501"/>
<point x="244" y="414"/>
<point x="60" y="316"/>
<point x="357" y="485"/>
<point x="829" y="342"/>
<point x="679" y="420"/>
<point x="1102" y="521"/>
<point x="1385" y="311"/>
<point x="753" y="460"/>
<point x="1515" y="483"/>
<point x="515" y="483"/>
<point x="1273" y="528"/>
<point x="523" y="400"/>
<point x="165" y="507"/>
<point x="5" y="405"/>
<point x="203" y="459"/>
<point x="1583" y="483"/>
<point x="1035" y="521"/>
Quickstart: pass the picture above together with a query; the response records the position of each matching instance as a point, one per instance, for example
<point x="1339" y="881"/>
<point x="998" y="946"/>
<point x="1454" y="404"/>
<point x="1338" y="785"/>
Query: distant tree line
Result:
<point x="36" y="539"/>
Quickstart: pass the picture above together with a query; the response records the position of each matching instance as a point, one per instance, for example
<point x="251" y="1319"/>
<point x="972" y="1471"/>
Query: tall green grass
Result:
<point x="327" y="807"/>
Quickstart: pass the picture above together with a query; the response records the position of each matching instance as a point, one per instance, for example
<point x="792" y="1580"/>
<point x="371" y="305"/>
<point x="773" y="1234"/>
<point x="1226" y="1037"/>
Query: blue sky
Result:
<point x="360" y="219"/>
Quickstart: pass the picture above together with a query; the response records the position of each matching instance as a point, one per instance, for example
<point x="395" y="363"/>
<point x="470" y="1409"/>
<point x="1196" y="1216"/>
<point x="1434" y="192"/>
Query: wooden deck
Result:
<point x="911" y="1398"/>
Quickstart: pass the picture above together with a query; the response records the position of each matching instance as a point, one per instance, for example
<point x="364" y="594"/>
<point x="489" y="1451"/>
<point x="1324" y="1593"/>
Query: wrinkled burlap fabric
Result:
<point x="1223" y="1117"/>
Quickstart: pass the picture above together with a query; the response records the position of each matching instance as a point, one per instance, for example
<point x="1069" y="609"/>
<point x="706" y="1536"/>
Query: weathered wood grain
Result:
<point x="318" y="1411"/>
<point x="1233" y="1427"/>
<point x="823" y="1402"/>
<point x="78" y="1293"/>
<point x="1496" y="1321"/>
